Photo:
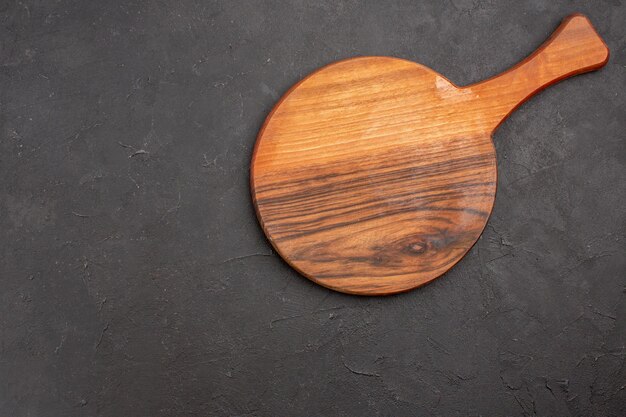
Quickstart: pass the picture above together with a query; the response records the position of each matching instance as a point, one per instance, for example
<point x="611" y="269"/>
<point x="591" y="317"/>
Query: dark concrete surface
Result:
<point x="135" y="280"/>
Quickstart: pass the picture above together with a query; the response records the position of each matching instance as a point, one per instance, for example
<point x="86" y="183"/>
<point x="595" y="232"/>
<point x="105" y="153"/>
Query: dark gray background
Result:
<point x="135" y="280"/>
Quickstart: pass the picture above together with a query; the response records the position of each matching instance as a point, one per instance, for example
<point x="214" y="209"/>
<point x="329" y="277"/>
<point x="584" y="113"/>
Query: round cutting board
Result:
<point x="375" y="175"/>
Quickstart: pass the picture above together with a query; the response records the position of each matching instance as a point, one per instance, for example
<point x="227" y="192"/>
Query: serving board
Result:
<point x="375" y="175"/>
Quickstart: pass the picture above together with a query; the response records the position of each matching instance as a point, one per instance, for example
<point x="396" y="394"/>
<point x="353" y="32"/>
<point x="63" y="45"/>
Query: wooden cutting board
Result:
<point x="375" y="175"/>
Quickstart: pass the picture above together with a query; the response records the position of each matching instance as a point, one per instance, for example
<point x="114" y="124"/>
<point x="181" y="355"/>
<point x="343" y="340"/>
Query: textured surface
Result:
<point x="135" y="279"/>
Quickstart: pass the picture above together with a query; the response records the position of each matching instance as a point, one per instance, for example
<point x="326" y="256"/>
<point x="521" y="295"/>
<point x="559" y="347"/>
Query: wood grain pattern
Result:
<point x="375" y="175"/>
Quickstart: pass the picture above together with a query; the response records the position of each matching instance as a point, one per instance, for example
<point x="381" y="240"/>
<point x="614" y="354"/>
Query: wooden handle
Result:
<point x="575" y="47"/>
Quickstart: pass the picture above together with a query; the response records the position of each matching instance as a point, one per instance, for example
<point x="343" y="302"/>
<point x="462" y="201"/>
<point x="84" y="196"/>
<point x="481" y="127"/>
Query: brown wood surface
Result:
<point x="375" y="175"/>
